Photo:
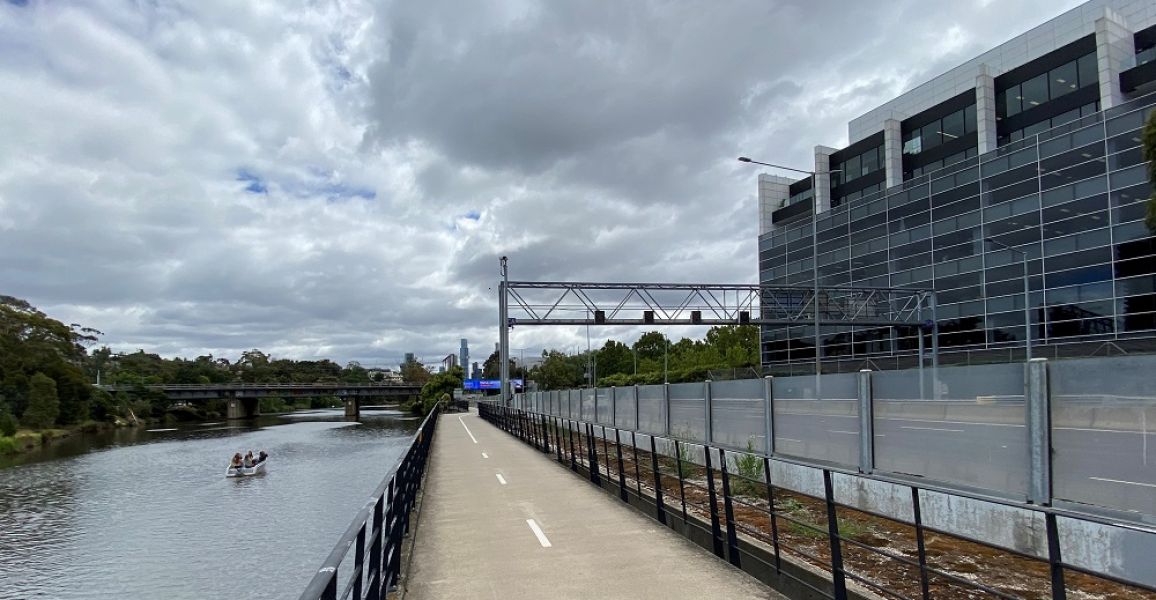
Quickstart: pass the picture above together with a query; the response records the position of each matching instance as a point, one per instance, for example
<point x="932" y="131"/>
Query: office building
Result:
<point x="1033" y="146"/>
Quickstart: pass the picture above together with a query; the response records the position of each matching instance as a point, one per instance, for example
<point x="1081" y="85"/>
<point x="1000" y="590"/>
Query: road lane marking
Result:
<point x="501" y="480"/>
<point x="467" y="430"/>
<point x="1151" y="485"/>
<point x="931" y="429"/>
<point x="1106" y="430"/>
<point x="484" y="455"/>
<point x="538" y="532"/>
<point x="785" y="439"/>
<point x="847" y="432"/>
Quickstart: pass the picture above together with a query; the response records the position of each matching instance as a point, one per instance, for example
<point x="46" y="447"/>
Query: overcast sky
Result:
<point x="336" y="178"/>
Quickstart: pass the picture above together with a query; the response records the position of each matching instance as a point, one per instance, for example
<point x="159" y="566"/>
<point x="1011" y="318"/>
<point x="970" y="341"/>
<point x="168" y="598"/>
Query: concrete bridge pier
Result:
<point x="352" y="406"/>
<point x="243" y="408"/>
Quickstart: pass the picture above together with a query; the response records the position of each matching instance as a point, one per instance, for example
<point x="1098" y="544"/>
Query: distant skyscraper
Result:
<point x="409" y="357"/>
<point x="464" y="354"/>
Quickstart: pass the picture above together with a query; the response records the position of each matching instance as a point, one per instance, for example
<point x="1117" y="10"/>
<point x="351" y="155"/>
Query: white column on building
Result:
<point x="893" y="152"/>
<point x="1115" y="51"/>
<point x="773" y="193"/>
<point x="985" y="121"/>
<point x="823" y="178"/>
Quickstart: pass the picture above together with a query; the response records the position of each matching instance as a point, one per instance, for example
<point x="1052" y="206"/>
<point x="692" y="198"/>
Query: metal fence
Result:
<point x="768" y="515"/>
<point x="1071" y="433"/>
<point x="376" y="534"/>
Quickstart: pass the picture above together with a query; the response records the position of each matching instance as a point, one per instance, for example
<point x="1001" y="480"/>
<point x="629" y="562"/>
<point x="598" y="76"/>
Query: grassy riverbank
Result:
<point x="26" y="440"/>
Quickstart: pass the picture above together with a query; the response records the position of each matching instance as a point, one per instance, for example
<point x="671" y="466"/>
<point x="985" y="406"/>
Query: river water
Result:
<point x="149" y="514"/>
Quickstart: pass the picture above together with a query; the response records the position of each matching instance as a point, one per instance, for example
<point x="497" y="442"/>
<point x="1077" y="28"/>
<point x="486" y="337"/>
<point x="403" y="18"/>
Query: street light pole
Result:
<point x="814" y="252"/>
<point x="1027" y="292"/>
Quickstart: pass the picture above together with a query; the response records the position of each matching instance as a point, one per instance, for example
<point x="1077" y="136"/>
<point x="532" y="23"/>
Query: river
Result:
<point x="149" y="514"/>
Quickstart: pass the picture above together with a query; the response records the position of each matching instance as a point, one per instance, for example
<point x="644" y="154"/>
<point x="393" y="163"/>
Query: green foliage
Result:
<point x="1149" y="148"/>
<point x="43" y="404"/>
<point x="414" y="372"/>
<point x="9" y="445"/>
<point x="440" y="388"/>
<point x="7" y="422"/>
<point x="558" y="371"/>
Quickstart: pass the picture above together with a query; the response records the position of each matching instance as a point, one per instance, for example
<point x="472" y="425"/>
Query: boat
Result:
<point x="256" y="469"/>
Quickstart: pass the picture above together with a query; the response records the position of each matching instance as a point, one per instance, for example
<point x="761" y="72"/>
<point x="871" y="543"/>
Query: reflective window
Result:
<point x="1087" y="70"/>
<point x="1064" y="80"/>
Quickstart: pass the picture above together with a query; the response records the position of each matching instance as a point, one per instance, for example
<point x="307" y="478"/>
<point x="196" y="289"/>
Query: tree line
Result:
<point x="652" y="359"/>
<point x="47" y="371"/>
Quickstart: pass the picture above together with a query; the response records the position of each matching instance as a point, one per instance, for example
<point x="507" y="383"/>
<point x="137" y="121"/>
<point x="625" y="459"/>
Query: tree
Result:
<point x="439" y="386"/>
<point x="414" y="372"/>
<point x="558" y="371"/>
<point x="614" y="358"/>
<point x="650" y="346"/>
<point x="1149" y="148"/>
<point x="43" y="405"/>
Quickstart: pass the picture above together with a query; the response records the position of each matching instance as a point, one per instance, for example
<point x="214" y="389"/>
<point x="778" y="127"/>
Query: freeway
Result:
<point x="1103" y="466"/>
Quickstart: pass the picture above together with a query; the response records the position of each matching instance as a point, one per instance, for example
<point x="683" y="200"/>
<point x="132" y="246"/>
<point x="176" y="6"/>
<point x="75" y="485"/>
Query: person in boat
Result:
<point x="236" y="463"/>
<point x="249" y="459"/>
<point x="262" y="456"/>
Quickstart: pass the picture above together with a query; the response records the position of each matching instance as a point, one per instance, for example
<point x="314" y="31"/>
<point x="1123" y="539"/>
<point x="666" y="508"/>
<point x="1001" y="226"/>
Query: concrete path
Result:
<point x="502" y="520"/>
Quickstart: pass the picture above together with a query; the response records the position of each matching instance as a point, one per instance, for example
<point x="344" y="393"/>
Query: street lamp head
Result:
<point x="744" y="159"/>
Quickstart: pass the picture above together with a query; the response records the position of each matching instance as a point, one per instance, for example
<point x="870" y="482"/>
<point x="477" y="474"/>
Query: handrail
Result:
<point x="543" y="430"/>
<point x="386" y="513"/>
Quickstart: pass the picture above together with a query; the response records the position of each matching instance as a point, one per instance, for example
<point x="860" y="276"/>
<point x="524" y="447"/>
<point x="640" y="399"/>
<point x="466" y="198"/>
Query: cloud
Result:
<point x="338" y="177"/>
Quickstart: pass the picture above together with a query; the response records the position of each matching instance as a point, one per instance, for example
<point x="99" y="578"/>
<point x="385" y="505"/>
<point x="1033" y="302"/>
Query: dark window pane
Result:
<point x="969" y="119"/>
<point x="1034" y="91"/>
<point x="1138" y="266"/>
<point x="1072" y="157"/>
<point x="1077" y="208"/>
<point x="1064" y="80"/>
<point x="1137" y="248"/>
<point x="1075" y="225"/>
<point x="953" y="126"/>
<point x="1086" y="66"/>
<point x="1126" y="158"/>
<point x="1076" y="173"/>
<point x="870" y="161"/>
<point x="930" y="135"/>
<point x="1012" y="101"/>
<point x="852" y="169"/>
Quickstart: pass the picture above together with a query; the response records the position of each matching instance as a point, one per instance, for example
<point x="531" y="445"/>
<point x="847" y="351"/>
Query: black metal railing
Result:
<point x="738" y="498"/>
<point x="376" y="534"/>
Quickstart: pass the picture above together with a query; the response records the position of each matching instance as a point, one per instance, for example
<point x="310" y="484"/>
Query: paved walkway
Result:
<point x="502" y="520"/>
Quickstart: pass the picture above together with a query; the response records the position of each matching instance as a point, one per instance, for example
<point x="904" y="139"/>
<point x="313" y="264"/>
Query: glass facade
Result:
<point x="1071" y="198"/>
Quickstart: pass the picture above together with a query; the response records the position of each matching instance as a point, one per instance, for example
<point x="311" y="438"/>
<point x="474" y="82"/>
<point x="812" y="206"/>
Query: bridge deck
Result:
<point x="474" y="538"/>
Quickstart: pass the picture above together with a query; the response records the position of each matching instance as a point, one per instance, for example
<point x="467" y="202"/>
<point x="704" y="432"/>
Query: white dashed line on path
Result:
<point x="538" y="532"/>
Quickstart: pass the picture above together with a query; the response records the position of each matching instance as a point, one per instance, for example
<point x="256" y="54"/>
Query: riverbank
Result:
<point x="26" y="440"/>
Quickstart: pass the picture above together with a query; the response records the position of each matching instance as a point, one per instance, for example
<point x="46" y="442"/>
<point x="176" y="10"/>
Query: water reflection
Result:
<point x="139" y="514"/>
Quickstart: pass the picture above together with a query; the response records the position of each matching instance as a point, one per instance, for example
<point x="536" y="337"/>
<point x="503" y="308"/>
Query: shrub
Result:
<point x="7" y="422"/>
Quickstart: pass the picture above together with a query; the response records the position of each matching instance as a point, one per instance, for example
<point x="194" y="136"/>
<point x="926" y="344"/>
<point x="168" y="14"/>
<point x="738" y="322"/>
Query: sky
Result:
<point x="337" y="178"/>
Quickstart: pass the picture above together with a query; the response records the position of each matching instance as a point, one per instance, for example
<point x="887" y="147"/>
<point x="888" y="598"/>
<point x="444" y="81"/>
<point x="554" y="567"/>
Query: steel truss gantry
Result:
<point x="588" y="303"/>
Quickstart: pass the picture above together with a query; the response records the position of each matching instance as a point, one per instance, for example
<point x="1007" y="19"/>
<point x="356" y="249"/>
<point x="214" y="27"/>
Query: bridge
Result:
<point x="244" y="398"/>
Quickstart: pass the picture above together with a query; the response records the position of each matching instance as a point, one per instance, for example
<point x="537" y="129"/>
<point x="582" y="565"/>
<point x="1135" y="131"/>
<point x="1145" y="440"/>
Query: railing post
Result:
<point x="1055" y="561"/>
<point x="592" y="447"/>
<point x="838" y="578"/>
<point x="866" y="423"/>
<point x="769" y="420"/>
<point x="570" y="436"/>
<point x="715" y="530"/>
<point x="681" y="483"/>
<point x="659" y="510"/>
<point x="637" y="471"/>
<point x="359" y="561"/>
<point x="621" y="470"/>
<point x="375" y="563"/>
<point x="917" y="515"/>
<point x="1039" y="432"/>
<point x="771" y="507"/>
<point x="707" y="401"/>
<point x="732" y="536"/>
<point x="606" y="453"/>
<point x="554" y="421"/>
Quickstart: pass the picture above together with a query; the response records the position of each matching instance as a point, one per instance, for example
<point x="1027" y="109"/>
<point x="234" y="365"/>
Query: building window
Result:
<point x="1060" y="81"/>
